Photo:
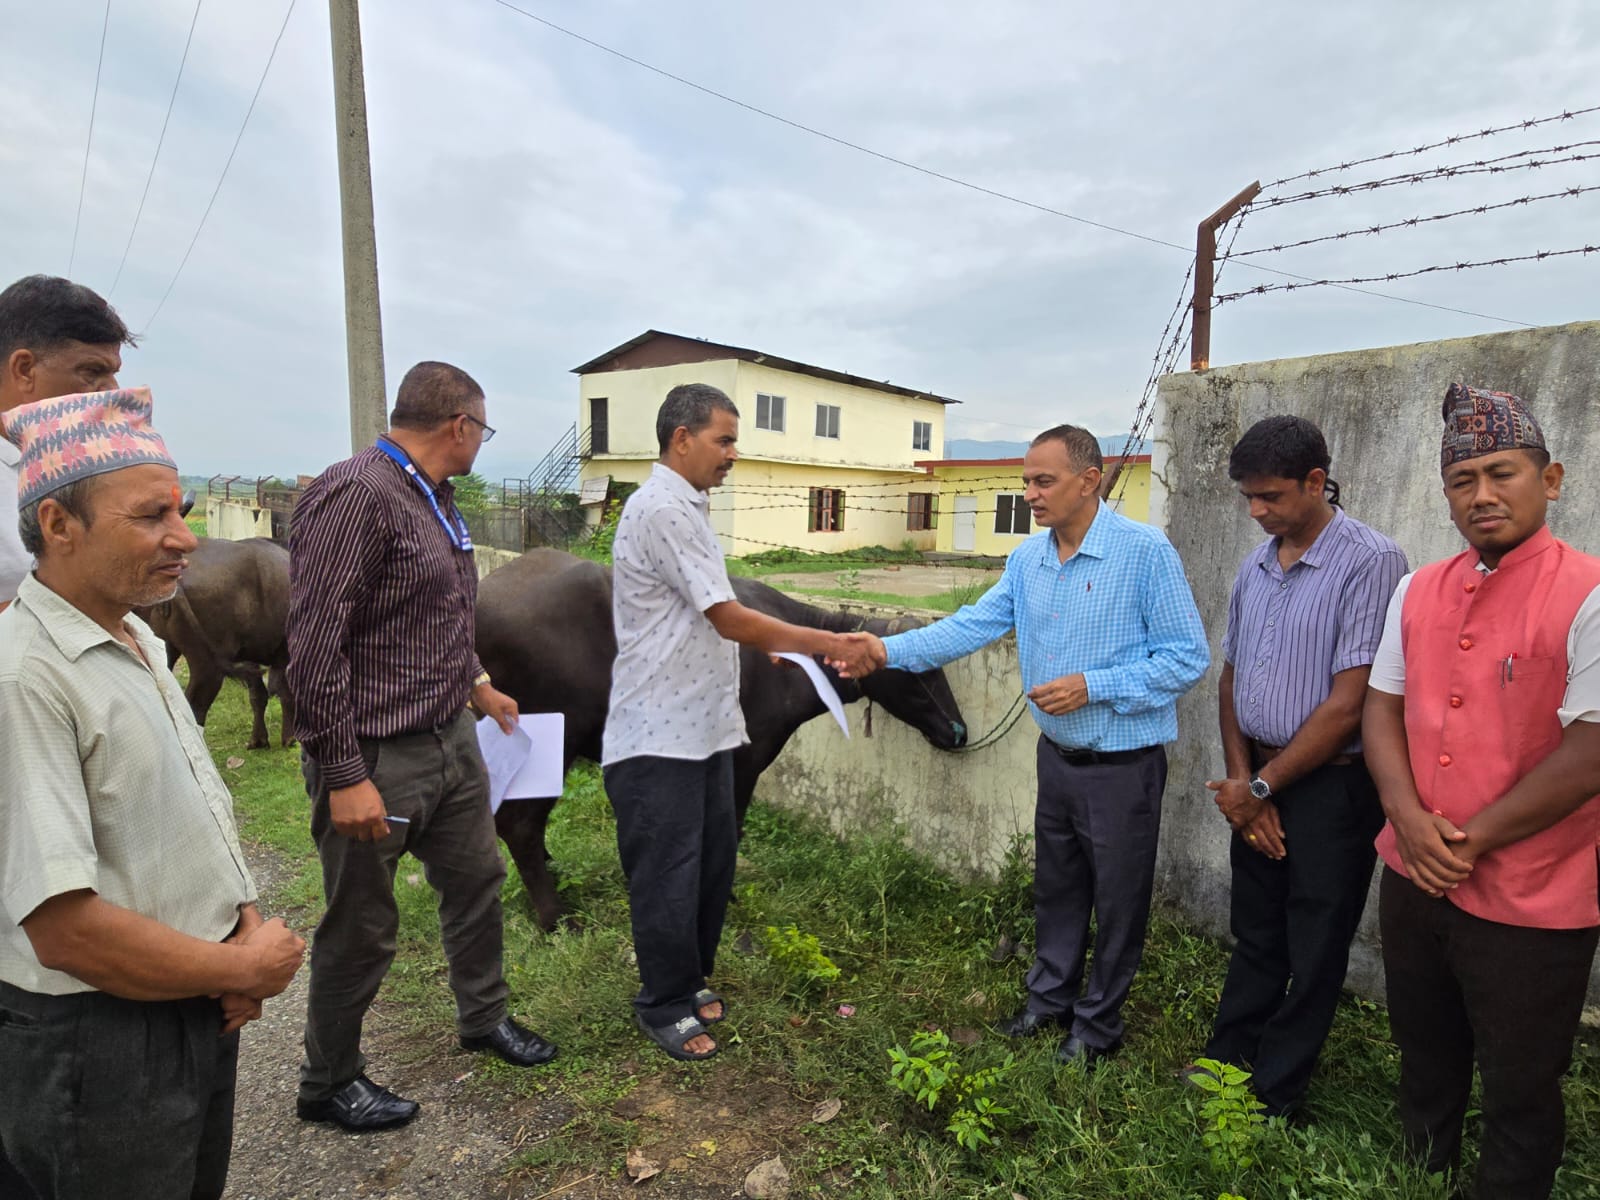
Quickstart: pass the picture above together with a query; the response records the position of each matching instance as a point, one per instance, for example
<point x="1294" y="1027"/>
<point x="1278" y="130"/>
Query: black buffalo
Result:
<point x="229" y="617"/>
<point x="545" y="636"/>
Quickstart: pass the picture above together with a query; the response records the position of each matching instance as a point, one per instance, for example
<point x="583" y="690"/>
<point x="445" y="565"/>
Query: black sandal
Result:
<point x="704" y="997"/>
<point x="672" y="1038"/>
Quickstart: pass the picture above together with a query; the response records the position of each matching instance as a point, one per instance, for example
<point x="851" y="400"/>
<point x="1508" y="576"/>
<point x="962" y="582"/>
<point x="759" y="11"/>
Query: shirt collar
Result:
<point x="1536" y="544"/>
<point x="9" y="454"/>
<point x="1094" y="538"/>
<point x="444" y="489"/>
<point x="73" y="632"/>
<point x="1319" y="546"/>
<point x="679" y="486"/>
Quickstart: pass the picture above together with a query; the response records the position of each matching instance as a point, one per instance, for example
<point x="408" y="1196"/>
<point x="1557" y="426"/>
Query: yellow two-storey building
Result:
<point x="828" y="461"/>
<point x="980" y="505"/>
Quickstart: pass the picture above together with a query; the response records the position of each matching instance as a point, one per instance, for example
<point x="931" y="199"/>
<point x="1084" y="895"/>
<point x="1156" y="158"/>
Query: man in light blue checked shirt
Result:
<point x="1108" y="638"/>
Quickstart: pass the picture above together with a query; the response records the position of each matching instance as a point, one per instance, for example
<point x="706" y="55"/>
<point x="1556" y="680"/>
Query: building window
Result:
<point x="828" y="420"/>
<point x="827" y="509"/>
<point x="920" y="511"/>
<point x="922" y="435"/>
<point x="769" y="412"/>
<point x="1011" y="515"/>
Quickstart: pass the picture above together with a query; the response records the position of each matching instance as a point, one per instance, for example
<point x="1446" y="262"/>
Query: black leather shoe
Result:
<point x="361" y="1106"/>
<point x="518" y="1046"/>
<point x="1075" y="1050"/>
<point x="1028" y="1024"/>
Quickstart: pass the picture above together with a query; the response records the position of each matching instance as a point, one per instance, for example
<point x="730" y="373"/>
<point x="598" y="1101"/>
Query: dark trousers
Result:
<point x="1095" y="830"/>
<point x="1461" y="987"/>
<point x="437" y="781"/>
<point x="678" y="838"/>
<point x="1292" y="922"/>
<point x="109" y="1099"/>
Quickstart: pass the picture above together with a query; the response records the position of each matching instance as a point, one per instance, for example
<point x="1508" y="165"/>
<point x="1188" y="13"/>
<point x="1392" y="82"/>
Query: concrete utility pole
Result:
<point x="362" y="319"/>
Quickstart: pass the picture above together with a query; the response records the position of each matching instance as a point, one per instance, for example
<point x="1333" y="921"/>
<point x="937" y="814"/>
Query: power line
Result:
<point x="94" y="106"/>
<point x="952" y="179"/>
<point x="839" y="141"/>
<point x="242" y="126"/>
<point x="171" y="100"/>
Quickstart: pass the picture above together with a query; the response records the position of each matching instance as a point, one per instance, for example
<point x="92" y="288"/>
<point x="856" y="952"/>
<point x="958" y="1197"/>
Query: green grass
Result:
<point x="792" y="562"/>
<point x="947" y="601"/>
<point x="914" y="950"/>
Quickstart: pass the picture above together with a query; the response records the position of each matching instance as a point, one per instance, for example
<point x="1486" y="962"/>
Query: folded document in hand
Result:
<point x="824" y="689"/>
<point x="526" y="763"/>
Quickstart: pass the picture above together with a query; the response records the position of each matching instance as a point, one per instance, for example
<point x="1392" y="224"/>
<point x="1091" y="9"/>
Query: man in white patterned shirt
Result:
<point x="675" y="721"/>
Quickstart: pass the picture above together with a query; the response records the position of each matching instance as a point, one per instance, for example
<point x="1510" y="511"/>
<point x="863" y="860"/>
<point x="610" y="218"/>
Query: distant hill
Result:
<point x="972" y="448"/>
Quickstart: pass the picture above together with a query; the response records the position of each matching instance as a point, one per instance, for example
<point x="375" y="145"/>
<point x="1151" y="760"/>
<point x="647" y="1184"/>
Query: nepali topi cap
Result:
<point x="1479" y="422"/>
<point x="69" y="438"/>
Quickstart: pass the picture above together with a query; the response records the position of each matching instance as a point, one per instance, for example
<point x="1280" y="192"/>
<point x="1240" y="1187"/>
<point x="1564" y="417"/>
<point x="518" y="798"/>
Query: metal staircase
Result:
<point x="547" y="521"/>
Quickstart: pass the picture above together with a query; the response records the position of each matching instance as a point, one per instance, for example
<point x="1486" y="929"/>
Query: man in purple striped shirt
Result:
<point x="382" y="590"/>
<point x="1304" y="623"/>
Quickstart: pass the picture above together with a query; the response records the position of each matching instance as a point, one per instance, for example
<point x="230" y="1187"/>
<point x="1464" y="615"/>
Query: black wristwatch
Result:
<point x="1260" y="788"/>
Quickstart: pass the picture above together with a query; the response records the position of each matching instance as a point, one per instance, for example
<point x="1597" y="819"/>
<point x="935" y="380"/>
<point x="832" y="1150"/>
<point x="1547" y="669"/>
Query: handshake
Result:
<point x="854" y="655"/>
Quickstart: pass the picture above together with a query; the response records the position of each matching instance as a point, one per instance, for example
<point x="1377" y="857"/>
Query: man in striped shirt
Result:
<point x="1108" y="638"/>
<point x="382" y="589"/>
<point x="1304" y="622"/>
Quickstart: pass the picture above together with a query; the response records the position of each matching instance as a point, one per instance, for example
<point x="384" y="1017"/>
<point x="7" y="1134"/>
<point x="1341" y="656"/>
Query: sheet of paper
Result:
<point x="504" y="754"/>
<point x="824" y="688"/>
<point x="543" y="772"/>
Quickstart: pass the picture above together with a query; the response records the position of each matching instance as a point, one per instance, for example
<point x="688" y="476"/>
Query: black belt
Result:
<point x="1100" y="758"/>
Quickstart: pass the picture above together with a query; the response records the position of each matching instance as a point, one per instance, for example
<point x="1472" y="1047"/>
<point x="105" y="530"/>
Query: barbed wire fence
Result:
<point x="1205" y="271"/>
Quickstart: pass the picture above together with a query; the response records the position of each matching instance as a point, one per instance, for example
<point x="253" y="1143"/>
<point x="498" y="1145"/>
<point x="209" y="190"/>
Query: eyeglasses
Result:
<point x="488" y="430"/>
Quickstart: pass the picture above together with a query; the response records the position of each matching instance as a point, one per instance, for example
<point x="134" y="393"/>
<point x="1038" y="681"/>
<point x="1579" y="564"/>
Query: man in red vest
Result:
<point x="1482" y="731"/>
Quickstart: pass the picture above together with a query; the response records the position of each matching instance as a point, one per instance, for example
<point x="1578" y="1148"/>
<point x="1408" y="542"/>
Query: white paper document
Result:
<point x="526" y="763"/>
<point x="824" y="688"/>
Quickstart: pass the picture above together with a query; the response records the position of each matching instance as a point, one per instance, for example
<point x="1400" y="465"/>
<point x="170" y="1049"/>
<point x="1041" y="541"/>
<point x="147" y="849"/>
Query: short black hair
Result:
<point x="431" y="394"/>
<point x="1083" y="448"/>
<point x="689" y="406"/>
<point x="41" y="312"/>
<point x="1282" y="448"/>
<point x="74" y="497"/>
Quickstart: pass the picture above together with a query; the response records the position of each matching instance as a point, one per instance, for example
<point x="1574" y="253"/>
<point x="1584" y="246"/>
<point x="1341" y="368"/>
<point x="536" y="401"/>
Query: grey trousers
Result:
<point x="109" y="1099"/>
<point x="1095" y="831"/>
<point x="436" y="780"/>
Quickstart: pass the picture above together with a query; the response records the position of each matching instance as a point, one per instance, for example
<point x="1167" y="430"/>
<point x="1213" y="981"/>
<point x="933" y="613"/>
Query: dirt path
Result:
<point x="461" y="1145"/>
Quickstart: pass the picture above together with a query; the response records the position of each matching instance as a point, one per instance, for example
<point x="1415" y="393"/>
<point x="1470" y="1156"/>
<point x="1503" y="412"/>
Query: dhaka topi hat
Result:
<point x="69" y="438"/>
<point x="1479" y="422"/>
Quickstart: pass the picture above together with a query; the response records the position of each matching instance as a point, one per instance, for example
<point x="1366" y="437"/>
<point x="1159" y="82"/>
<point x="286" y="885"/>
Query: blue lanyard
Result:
<point x="454" y="525"/>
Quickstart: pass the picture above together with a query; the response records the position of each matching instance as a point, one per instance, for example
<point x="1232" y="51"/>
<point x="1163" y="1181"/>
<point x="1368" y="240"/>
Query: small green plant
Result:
<point x="850" y="582"/>
<point x="1230" y="1115"/>
<point x="799" y="956"/>
<point x="598" y="547"/>
<point x="931" y="1072"/>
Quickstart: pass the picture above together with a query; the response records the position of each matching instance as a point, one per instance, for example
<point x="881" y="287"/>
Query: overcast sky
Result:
<point x="539" y="201"/>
